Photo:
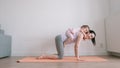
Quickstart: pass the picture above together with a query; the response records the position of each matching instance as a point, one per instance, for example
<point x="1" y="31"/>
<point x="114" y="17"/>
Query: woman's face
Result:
<point x="90" y="36"/>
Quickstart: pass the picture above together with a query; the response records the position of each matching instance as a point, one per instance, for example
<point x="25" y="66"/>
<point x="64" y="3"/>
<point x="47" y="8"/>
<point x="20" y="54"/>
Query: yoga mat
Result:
<point x="65" y="59"/>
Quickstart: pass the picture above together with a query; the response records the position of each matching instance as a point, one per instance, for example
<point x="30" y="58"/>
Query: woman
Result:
<point x="72" y="36"/>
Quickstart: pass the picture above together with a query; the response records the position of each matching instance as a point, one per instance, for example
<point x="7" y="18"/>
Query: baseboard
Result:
<point x="114" y="53"/>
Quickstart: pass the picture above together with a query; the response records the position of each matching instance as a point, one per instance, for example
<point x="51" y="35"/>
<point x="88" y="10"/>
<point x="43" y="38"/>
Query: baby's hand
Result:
<point x="81" y="31"/>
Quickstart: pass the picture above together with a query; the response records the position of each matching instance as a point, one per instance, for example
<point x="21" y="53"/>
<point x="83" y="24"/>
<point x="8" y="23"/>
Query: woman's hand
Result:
<point x="78" y="58"/>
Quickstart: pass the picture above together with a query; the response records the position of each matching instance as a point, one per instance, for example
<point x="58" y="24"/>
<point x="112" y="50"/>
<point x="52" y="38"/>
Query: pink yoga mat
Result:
<point x="65" y="59"/>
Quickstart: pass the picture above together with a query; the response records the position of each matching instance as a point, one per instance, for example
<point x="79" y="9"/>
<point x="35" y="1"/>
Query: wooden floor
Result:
<point x="10" y="62"/>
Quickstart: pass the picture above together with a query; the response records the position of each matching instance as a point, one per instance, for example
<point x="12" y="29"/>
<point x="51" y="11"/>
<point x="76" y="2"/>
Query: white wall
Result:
<point x="33" y="24"/>
<point x="112" y="27"/>
<point x="114" y="7"/>
<point x="113" y="33"/>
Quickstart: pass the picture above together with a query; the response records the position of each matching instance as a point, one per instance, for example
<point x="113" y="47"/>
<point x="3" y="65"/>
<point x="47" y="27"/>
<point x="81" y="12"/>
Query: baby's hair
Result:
<point x="85" y="26"/>
<point x="93" y="39"/>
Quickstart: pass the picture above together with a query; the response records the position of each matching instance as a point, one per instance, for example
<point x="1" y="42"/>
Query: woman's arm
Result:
<point x="77" y="43"/>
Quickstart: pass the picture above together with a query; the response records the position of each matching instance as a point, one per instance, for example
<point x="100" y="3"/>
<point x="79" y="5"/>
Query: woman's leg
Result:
<point x="59" y="46"/>
<point x="47" y="57"/>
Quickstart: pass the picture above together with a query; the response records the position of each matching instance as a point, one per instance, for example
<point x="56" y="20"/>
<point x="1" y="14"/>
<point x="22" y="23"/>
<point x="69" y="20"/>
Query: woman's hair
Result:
<point x="93" y="39"/>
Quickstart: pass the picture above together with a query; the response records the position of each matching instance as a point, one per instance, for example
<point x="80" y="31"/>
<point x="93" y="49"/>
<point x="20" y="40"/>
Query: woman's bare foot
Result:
<point x="40" y="57"/>
<point x="47" y="57"/>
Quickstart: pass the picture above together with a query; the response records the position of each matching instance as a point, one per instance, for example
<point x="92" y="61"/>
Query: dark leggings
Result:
<point x="59" y="46"/>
